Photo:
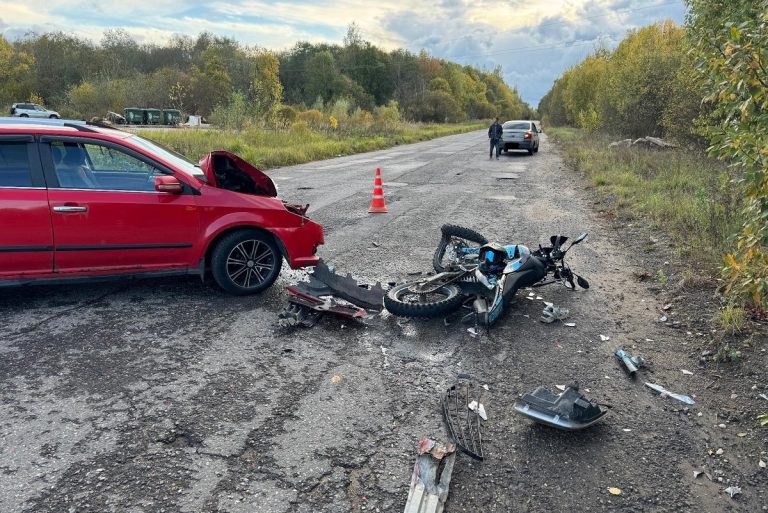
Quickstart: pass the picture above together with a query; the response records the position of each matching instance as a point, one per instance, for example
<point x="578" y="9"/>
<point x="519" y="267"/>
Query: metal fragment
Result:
<point x="431" y="477"/>
<point x="464" y="423"/>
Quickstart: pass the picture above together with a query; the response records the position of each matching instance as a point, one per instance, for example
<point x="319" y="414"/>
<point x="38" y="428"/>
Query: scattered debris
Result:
<point x="570" y="324"/>
<point x="763" y="419"/>
<point x="553" y="313"/>
<point x="741" y="435"/>
<point x="733" y="491"/>
<point x="627" y="430"/>
<point x="336" y="379"/>
<point x="431" y="477"/>
<point x="686" y="372"/>
<point x="720" y="451"/>
<point x="697" y="473"/>
<point x="631" y="363"/>
<point x="666" y="307"/>
<point x="560" y="387"/>
<point x="614" y="491"/>
<point x="569" y="410"/>
<point x="346" y="287"/>
<point x="666" y="393"/>
<point x="473" y="332"/>
<point x="761" y="464"/>
<point x="463" y="422"/>
<point x="647" y="142"/>
<point x="478" y="408"/>
<point x="297" y="315"/>
<point x="764" y="396"/>
<point x="605" y="338"/>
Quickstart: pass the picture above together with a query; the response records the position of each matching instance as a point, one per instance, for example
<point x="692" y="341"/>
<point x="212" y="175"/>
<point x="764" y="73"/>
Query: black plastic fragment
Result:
<point x="463" y="423"/>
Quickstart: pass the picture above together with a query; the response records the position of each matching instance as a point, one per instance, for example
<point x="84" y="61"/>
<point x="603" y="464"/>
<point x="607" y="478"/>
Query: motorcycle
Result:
<point x="484" y="276"/>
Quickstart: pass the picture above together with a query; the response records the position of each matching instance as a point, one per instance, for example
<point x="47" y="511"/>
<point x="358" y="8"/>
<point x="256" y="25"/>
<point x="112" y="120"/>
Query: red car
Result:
<point x="83" y="202"/>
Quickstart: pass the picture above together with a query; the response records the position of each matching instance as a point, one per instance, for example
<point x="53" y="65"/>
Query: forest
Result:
<point x="220" y="78"/>
<point x="705" y="86"/>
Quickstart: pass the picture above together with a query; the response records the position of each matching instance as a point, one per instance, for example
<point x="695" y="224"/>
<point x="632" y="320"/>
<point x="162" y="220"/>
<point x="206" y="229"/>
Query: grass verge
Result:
<point x="272" y="148"/>
<point x="686" y="195"/>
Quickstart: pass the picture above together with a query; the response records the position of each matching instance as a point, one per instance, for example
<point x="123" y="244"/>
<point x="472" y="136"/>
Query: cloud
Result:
<point x="533" y="42"/>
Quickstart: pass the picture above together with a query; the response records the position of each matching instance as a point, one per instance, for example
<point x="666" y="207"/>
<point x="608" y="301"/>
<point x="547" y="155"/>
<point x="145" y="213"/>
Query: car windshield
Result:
<point x="517" y="125"/>
<point x="168" y="154"/>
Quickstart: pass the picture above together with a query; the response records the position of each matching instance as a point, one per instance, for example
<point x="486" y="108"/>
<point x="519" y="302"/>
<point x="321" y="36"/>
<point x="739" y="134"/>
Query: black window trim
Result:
<point x="35" y="166"/>
<point x="53" y="181"/>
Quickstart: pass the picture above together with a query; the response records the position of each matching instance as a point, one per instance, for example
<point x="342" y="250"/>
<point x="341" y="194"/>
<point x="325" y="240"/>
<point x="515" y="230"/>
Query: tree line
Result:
<point x="704" y="84"/>
<point x="199" y="75"/>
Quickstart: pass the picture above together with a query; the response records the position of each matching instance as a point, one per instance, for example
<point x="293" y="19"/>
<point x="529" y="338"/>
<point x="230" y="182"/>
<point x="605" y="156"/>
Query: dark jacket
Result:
<point x="495" y="131"/>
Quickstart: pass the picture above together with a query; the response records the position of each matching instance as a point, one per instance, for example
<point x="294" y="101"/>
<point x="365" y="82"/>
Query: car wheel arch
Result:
<point x="217" y="238"/>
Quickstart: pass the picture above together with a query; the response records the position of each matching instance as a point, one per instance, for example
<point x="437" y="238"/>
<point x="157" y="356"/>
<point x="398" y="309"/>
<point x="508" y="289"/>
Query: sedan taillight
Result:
<point x="528" y="135"/>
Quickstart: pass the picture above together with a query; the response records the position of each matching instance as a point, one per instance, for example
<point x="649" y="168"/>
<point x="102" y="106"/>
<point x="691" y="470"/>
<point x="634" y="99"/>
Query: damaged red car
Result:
<point x="80" y="202"/>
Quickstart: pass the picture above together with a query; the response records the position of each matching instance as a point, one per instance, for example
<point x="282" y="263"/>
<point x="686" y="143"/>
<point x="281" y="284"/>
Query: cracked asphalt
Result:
<point x="170" y="396"/>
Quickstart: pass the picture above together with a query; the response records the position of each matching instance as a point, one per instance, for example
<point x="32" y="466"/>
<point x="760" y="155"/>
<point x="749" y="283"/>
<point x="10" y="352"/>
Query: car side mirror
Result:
<point x="169" y="184"/>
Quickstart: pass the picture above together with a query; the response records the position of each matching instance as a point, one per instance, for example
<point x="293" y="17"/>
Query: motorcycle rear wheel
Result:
<point x="403" y="302"/>
<point x="452" y="234"/>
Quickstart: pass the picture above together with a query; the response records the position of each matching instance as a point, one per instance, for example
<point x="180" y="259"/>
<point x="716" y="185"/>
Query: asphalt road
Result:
<point x="170" y="396"/>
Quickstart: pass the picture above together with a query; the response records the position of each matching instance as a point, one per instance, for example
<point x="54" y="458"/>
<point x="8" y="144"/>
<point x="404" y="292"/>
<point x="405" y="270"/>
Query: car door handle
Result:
<point x="69" y="208"/>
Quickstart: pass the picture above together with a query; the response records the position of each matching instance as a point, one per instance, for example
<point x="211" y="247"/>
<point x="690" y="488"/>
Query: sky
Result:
<point x="533" y="41"/>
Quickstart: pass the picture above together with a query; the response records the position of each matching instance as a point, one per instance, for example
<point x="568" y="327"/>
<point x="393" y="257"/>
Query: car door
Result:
<point x="107" y="215"/>
<point x="26" y="236"/>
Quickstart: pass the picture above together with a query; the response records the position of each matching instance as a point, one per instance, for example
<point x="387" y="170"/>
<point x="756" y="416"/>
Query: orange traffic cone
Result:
<point x="377" y="203"/>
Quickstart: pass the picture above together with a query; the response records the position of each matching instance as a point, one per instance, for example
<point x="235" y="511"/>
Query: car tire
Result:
<point x="530" y="151"/>
<point x="536" y="149"/>
<point x="23" y="115"/>
<point x="53" y="116"/>
<point x="246" y="262"/>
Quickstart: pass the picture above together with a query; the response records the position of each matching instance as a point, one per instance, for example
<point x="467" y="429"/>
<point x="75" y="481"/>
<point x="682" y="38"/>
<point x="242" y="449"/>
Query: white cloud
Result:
<point x="534" y="41"/>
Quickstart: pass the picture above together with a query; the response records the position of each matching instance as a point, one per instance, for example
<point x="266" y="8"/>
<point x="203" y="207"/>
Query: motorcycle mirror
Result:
<point x="584" y="284"/>
<point x="557" y="241"/>
<point x="580" y="238"/>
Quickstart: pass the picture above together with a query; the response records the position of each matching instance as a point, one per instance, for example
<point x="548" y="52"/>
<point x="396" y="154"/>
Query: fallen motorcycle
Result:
<point x="484" y="276"/>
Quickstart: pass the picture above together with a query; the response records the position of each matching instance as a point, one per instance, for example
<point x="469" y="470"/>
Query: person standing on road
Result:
<point x="494" y="134"/>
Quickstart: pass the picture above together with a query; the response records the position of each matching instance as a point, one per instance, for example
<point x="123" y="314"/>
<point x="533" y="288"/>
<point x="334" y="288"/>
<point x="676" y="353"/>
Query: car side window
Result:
<point x="14" y="164"/>
<point x="93" y="166"/>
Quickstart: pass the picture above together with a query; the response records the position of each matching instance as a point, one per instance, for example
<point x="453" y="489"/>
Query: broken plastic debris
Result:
<point x="473" y="332"/>
<point x="663" y="318"/>
<point x="631" y="363"/>
<point x="741" y="435"/>
<point x="697" y="473"/>
<point x="626" y="430"/>
<point x="553" y="313"/>
<point x="604" y="338"/>
<point x="686" y="372"/>
<point x="761" y="464"/>
<point x="486" y="387"/>
<point x="431" y="477"/>
<point x="733" y="491"/>
<point x="560" y="387"/>
<point x="478" y="408"/>
<point x="720" y="452"/>
<point x="570" y="324"/>
<point x="666" y="393"/>
<point x="614" y="491"/>
<point x="764" y="396"/>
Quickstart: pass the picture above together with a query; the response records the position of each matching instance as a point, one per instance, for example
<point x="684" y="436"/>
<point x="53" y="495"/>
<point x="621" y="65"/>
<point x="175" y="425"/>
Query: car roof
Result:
<point x="74" y="127"/>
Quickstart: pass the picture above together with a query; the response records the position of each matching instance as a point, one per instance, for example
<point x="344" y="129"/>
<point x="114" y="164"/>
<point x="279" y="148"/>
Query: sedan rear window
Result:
<point x="517" y="125"/>
<point x="14" y="165"/>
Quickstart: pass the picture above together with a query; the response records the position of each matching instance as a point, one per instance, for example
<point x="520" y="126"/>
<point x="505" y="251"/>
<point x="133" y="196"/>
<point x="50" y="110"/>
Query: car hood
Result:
<point x="210" y="162"/>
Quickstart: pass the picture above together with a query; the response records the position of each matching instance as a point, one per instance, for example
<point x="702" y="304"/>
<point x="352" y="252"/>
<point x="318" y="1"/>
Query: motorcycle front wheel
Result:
<point x="403" y="301"/>
<point x="453" y="238"/>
